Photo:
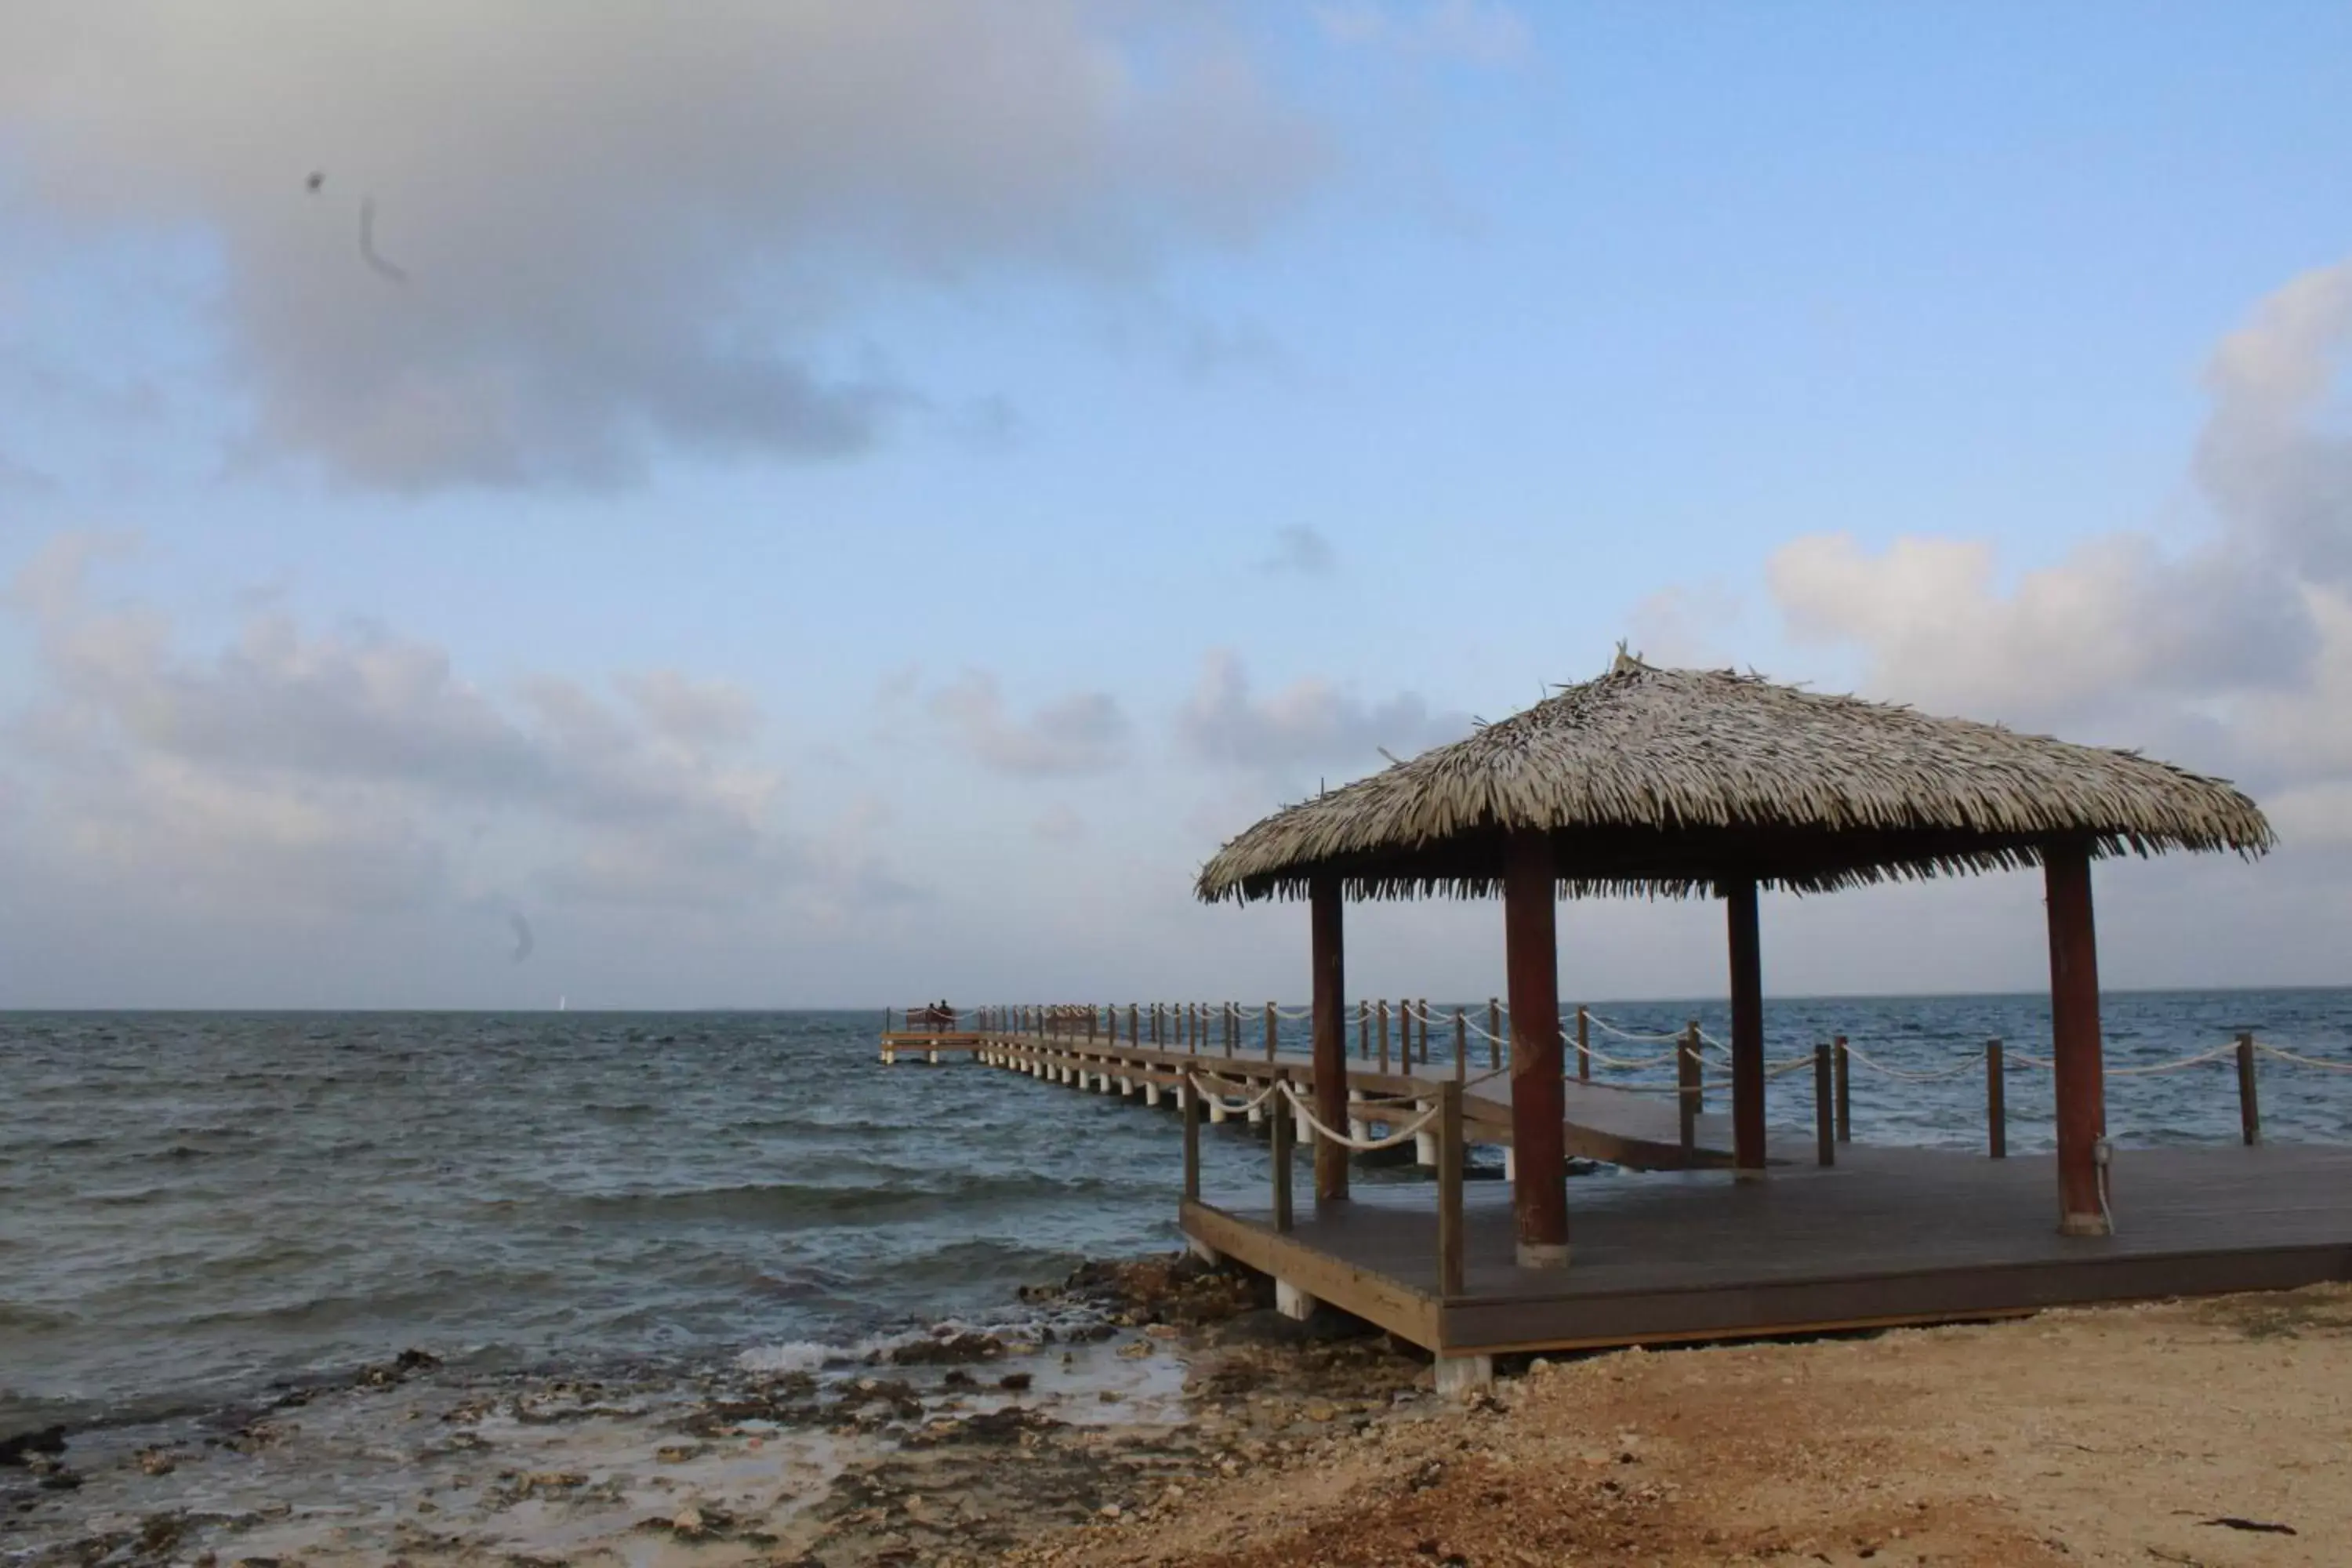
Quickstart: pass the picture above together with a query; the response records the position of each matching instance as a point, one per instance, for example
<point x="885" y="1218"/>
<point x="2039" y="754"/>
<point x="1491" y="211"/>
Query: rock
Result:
<point x="1136" y="1351"/>
<point x="687" y="1522"/>
<point x="16" y="1449"/>
<point x="1015" y="1382"/>
<point x="948" y="1350"/>
<point x="1319" y="1411"/>
<point x="680" y="1453"/>
<point x="1110" y="1511"/>
<point x="157" y="1462"/>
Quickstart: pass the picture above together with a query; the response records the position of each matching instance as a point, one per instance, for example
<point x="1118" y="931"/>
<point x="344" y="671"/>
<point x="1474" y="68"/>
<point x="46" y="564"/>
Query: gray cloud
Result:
<point x="622" y="236"/>
<point x="1302" y="552"/>
<point x="360" y="770"/>
<point x="1480" y="32"/>
<point x="1083" y="732"/>
<point x="1310" y="720"/>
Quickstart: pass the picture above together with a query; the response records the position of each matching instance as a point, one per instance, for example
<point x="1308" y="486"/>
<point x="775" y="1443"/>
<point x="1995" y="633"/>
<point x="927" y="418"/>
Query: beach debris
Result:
<point x="398" y="1370"/>
<point x="2259" y="1526"/>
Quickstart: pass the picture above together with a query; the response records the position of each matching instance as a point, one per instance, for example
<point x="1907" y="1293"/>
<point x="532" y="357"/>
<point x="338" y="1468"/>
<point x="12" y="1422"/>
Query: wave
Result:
<point x="774" y="1202"/>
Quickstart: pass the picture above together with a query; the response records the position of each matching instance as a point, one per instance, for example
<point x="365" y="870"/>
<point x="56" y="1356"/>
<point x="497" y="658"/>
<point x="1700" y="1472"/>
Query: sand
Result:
<point x="2215" y="1432"/>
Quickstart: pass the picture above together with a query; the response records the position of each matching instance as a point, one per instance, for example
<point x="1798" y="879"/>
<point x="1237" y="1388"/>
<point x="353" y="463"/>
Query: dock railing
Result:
<point x="1437" y="1112"/>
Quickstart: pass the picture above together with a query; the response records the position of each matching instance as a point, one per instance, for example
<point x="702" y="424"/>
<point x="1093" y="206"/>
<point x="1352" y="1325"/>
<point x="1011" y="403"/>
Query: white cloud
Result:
<point x="1083" y="732"/>
<point x="622" y="235"/>
<point x="2235" y="654"/>
<point x="1308" y="722"/>
<point x="1480" y="32"/>
<point x="359" y="770"/>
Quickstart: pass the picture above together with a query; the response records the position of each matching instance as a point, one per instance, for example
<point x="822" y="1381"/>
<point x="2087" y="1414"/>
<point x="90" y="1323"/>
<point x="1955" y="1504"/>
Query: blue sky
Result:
<point x="854" y="502"/>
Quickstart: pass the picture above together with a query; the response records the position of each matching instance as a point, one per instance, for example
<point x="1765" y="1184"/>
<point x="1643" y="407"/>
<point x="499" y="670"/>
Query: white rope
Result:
<point x="1396" y="1135"/>
<point x="1482" y="1034"/>
<point x="1245" y="1106"/>
<point x="1908" y="1076"/>
<point x="1605" y="1060"/>
<point x="2186" y="1062"/>
<point x="2287" y="1055"/>
<point x="1608" y="1027"/>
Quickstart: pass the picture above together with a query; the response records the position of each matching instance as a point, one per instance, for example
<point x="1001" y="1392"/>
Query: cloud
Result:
<point x="1684" y="625"/>
<point x="1308" y="722"/>
<point x="358" y="770"/>
<point x="1479" y="32"/>
<point x="1059" y="824"/>
<point x="623" y="237"/>
<point x="1083" y="732"/>
<point x="1301" y="551"/>
<point x="2235" y="653"/>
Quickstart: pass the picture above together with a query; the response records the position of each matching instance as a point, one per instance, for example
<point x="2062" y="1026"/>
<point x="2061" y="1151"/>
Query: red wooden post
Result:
<point x="1330" y="1027"/>
<point x="1844" y="1089"/>
<point x="1539" y="1100"/>
<point x="1824" y="1116"/>
<point x="1996" y="1102"/>
<point x="1494" y="1033"/>
<point x="2076" y="1053"/>
<point x="1747" y="1030"/>
<point x="1583" y="1047"/>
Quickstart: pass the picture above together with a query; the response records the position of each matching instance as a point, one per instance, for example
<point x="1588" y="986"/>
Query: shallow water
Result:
<point x="193" y="1206"/>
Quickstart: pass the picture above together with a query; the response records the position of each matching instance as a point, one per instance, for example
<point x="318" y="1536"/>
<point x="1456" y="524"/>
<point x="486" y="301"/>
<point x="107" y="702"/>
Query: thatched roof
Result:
<point x="1667" y="780"/>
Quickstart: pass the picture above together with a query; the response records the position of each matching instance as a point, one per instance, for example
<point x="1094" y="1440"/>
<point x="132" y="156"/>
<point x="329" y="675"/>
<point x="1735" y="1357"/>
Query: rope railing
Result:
<point x="1394" y="1136"/>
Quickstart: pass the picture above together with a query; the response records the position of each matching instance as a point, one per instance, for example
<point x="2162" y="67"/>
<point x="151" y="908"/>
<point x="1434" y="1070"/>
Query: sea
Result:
<point x="198" y="1207"/>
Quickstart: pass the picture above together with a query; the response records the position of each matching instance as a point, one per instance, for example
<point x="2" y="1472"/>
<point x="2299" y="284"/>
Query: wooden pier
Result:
<point x="1840" y="1237"/>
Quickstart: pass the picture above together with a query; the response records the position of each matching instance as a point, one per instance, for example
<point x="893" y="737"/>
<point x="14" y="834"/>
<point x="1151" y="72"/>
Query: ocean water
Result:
<point x="196" y="1206"/>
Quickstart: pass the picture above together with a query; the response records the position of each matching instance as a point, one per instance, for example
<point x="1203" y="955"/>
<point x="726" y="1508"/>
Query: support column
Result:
<point x="1330" y="1035"/>
<point x="1538" y="1103"/>
<point x="2077" y="1055"/>
<point x="1746" y="1031"/>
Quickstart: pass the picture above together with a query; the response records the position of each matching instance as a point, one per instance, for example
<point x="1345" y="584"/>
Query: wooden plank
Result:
<point x="1410" y="1314"/>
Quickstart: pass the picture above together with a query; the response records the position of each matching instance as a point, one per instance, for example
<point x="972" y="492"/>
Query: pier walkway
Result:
<point x="1838" y="1235"/>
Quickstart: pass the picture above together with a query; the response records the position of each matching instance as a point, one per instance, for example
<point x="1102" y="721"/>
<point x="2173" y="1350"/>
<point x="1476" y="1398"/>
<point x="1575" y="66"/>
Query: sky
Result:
<point x="845" y="503"/>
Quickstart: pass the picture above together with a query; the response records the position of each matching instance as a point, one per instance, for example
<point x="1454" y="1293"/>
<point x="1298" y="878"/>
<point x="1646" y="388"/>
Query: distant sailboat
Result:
<point x="564" y="1003"/>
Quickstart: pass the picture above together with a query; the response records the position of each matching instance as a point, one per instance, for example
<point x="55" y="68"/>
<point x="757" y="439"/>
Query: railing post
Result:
<point x="1382" y="1010"/>
<point x="1278" y="1133"/>
<point x="1996" y="1100"/>
<point x="1687" y="1087"/>
<point x="1824" y="1114"/>
<point x="1133" y="1036"/>
<point x="1449" y="1189"/>
<point x="1363" y="1031"/>
<point x="2250" y="1109"/>
<point x="1461" y="1046"/>
<point x="1271" y="1024"/>
<point x="1844" y="1091"/>
<point x="1583" y="1047"/>
<point x="1424" y="1031"/>
<point x="885" y="1018"/>
<point x="1494" y="1033"/>
<point x="1090" y="1023"/>
<point x="1191" y="1139"/>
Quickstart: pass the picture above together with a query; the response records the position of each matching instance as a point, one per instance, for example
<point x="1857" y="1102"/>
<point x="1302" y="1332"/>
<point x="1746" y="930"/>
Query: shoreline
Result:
<point x="1188" y="1424"/>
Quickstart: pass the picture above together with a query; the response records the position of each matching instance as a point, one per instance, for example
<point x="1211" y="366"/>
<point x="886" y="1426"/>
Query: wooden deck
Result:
<point x="1685" y="1252"/>
<point x="1886" y="1236"/>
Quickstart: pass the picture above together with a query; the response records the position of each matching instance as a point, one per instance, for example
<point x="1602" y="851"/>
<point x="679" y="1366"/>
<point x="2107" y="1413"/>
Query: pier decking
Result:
<point x="1883" y="1236"/>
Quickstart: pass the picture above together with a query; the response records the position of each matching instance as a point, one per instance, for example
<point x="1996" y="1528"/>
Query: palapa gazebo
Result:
<point x="1682" y="783"/>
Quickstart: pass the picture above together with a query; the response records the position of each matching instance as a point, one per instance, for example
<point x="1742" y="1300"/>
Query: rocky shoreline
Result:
<point x="1132" y="1382"/>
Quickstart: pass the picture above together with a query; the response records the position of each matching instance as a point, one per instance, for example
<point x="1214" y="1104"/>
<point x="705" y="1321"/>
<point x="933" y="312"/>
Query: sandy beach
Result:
<point x="1191" y="1426"/>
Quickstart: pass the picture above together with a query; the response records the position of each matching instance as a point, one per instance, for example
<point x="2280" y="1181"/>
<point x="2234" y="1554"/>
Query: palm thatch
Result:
<point x="1668" y="782"/>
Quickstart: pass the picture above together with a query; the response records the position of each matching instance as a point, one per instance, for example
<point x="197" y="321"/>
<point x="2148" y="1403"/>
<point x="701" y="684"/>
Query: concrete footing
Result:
<point x="1424" y="1144"/>
<point x="1203" y="1251"/>
<point x="1459" y="1376"/>
<point x="1292" y="1302"/>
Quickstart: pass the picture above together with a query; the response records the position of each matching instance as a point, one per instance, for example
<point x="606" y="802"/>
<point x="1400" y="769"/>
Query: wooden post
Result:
<point x="1747" y="1030"/>
<point x="1996" y="1100"/>
<point x="1271" y="1026"/>
<point x="1844" y="1090"/>
<point x="1686" y="1086"/>
<point x="2076" y="1051"/>
<point x="2250" y="1109"/>
<point x="1824" y="1116"/>
<point x="1327" y="1026"/>
<point x="1538" y="1103"/>
<point x="1090" y="1023"/>
<point x="1192" y="1141"/>
<point x="1583" y="1047"/>
<point x="1421" y="1013"/>
<point x="1363" y="1031"/>
<point x="1461" y="1046"/>
<point x="1133" y="1036"/>
<point x="1278" y="1120"/>
<point x="885" y="1018"/>
<point x="1383" y="1009"/>
<point x="1494" y="1034"/>
<point x="1449" y="1190"/>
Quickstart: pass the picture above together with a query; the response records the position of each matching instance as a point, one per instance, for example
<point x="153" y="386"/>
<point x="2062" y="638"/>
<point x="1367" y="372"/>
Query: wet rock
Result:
<point x="951" y="1348"/>
<point x="16" y="1451"/>
<point x="1015" y="1382"/>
